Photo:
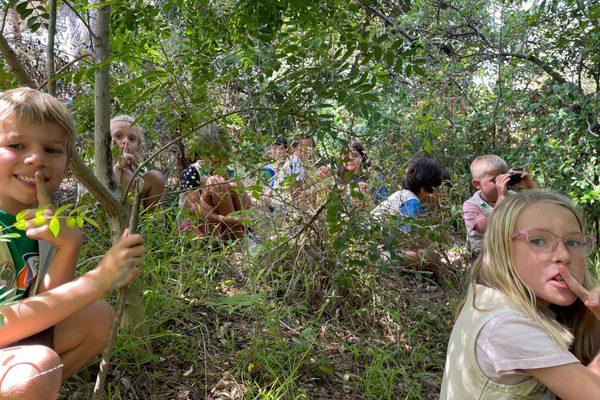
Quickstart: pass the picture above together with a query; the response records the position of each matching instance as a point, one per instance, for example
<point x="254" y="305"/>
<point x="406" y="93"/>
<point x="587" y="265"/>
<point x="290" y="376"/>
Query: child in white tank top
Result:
<point x="526" y="329"/>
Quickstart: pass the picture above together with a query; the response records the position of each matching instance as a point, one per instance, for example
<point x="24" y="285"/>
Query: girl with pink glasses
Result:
<point x="529" y="326"/>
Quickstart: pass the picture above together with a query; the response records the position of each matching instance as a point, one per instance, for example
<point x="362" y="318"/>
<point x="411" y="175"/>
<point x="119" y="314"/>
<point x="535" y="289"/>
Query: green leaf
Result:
<point x="40" y="211"/>
<point x="91" y="222"/>
<point x="79" y="221"/>
<point x="39" y="221"/>
<point x="21" y="215"/>
<point x="21" y="225"/>
<point x="33" y="24"/>
<point x="62" y="209"/>
<point x="54" y="226"/>
<point x="7" y="236"/>
<point x="71" y="222"/>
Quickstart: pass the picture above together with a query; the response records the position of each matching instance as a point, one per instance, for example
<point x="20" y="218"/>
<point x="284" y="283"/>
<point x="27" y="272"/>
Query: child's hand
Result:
<point x="527" y="181"/>
<point x="121" y="262"/>
<point x="193" y="198"/>
<point x="502" y="186"/>
<point x="68" y="238"/>
<point x="129" y="160"/>
<point x="591" y="298"/>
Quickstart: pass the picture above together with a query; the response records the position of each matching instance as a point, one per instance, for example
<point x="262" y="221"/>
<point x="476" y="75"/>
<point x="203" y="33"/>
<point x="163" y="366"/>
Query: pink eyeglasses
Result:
<point x="542" y="241"/>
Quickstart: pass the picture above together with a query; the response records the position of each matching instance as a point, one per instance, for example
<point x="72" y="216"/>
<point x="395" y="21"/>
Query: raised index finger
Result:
<point x="40" y="188"/>
<point x="574" y="284"/>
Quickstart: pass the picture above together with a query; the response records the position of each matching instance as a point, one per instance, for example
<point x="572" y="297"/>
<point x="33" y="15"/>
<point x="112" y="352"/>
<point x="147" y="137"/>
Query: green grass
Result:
<point x="273" y="322"/>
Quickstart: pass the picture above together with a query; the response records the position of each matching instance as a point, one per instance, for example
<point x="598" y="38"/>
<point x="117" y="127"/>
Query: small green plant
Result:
<point x="76" y="217"/>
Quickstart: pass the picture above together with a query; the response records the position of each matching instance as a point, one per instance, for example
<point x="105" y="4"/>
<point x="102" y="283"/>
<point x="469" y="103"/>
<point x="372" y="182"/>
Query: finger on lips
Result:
<point x="573" y="283"/>
<point x="40" y="187"/>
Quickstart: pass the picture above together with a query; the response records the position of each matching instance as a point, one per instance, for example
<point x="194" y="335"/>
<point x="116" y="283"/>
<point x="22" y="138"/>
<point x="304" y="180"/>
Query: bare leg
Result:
<point x="20" y="369"/>
<point x="217" y="197"/>
<point x="241" y="201"/>
<point x="82" y="336"/>
<point x="153" y="189"/>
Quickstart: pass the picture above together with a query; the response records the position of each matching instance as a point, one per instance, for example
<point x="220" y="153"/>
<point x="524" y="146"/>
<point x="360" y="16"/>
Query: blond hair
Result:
<point x="129" y="120"/>
<point x="488" y="164"/>
<point x="496" y="268"/>
<point x="29" y="105"/>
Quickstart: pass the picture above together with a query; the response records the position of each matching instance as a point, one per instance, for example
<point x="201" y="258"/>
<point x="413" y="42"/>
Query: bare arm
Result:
<point x="29" y="316"/>
<point x="570" y="381"/>
<point x="118" y="266"/>
<point x="481" y="225"/>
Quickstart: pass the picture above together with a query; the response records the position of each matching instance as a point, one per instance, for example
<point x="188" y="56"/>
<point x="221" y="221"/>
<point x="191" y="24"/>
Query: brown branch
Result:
<point x="17" y="67"/>
<point x="50" y="71"/>
<point x="388" y="21"/>
<point x="114" y="327"/>
<point x="96" y="188"/>
<point x="87" y="25"/>
<point x="537" y="61"/>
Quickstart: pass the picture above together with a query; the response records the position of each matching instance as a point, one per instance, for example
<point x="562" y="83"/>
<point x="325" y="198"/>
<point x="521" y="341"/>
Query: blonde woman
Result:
<point x="528" y="328"/>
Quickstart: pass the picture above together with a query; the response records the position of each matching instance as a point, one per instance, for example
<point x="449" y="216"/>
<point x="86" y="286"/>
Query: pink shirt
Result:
<point x="511" y="342"/>
<point x="474" y="210"/>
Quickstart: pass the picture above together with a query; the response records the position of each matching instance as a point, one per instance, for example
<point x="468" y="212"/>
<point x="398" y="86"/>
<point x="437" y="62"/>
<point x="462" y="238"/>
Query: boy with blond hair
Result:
<point x="491" y="176"/>
<point x="51" y="324"/>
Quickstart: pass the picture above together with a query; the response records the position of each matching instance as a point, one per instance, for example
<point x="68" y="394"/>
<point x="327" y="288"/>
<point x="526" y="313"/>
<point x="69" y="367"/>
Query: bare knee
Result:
<point x="217" y="185"/>
<point x="30" y="372"/>
<point x="156" y="179"/>
<point x="101" y="314"/>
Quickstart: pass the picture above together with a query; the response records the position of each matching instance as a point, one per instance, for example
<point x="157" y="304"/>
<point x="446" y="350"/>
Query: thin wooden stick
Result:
<point x="114" y="328"/>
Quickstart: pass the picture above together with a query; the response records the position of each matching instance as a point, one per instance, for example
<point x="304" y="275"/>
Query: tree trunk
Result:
<point x="117" y="219"/>
<point x="50" y="48"/>
<point x="17" y="68"/>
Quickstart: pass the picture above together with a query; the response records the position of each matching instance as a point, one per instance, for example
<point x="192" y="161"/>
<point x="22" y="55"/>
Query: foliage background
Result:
<point x="313" y="312"/>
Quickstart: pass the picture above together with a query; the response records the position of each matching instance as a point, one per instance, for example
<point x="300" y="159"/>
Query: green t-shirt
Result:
<point x="23" y="269"/>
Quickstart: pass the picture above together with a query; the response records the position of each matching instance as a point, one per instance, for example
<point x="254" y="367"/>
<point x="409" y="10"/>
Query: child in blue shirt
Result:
<point x="423" y="177"/>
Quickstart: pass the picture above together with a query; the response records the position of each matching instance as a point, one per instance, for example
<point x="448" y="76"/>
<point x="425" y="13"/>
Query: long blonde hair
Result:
<point x="496" y="268"/>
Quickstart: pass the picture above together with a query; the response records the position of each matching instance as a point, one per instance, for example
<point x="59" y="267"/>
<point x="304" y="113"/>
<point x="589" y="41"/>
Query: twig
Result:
<point x="62" y="69"/>
<point x="114" y="328"/>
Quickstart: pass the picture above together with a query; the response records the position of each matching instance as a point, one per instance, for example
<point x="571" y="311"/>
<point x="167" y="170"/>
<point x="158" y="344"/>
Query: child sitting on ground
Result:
<point x="212" y="191"/>
<point x="492" y="178"/>
<point x="128" y="136"/>
<point x="420" y="188"/>
<point x="528" y="326"/>
<point x="315" y="183"/>
<point x="423" y="177"/>
<point x="355" y="167"/>
<point x="52" y="324"/>
<point x="282" y="192"/>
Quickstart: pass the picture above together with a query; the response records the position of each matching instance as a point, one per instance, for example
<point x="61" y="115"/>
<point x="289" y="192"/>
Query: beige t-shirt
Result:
<point x="511" y="342"/>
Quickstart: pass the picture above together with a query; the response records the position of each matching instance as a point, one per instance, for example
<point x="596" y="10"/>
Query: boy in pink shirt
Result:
<point x="491" y="176"/>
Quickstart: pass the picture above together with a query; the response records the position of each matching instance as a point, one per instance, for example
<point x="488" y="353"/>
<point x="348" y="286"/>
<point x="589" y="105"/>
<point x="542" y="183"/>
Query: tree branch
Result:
<point x="388" y="21"/>
<point x="17" y="67"/>
<point x="64" y="68"/>
<point x="50" y="72"/>
<point x="89" y="28"/>
<point x="537" y="61"/>
<point x="96" y="188"/>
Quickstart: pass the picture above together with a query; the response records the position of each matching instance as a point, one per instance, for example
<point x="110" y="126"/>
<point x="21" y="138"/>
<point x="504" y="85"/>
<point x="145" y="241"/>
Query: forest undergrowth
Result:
<point x="268" y="319"/>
